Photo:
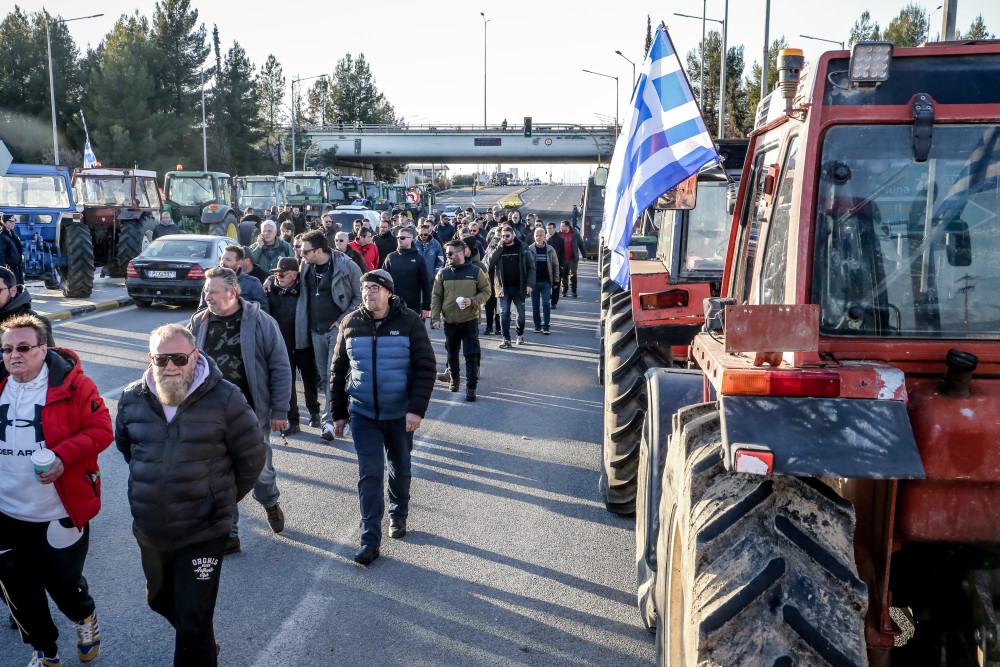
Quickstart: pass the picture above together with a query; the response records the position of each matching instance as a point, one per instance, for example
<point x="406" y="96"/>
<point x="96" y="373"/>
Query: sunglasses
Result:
<point x="23" y="348"/>
<point x="453" y="253"/>
<point x="507" y="236"/>
<point x="179" y="359"/>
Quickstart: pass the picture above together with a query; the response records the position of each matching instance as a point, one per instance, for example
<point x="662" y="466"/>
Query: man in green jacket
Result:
<point x="460" y="290"/>
<point x="269" y="248"/>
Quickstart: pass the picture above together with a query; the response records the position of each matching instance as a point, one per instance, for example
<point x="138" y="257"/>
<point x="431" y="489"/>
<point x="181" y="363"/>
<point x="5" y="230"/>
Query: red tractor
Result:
<point x="832" y="496"/>
<point x="120" y="207"/>
<point x="676" y="257"/>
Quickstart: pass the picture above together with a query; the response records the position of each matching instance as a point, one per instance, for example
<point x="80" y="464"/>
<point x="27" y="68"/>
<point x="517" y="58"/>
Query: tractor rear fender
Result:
<point x="821" y="437"/>
<point x="668" y="390"/>
<point x="126" y="214"/>
<point x="209" y="216"/>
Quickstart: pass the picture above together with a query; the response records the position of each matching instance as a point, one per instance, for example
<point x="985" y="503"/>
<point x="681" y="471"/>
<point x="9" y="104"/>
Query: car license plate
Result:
<point x="161" y="274"/>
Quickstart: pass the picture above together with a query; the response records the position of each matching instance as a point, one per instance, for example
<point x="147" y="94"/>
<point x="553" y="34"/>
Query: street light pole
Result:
<point x="204" y="125"/>
<point x="616" y="94"/>
<point x="485" y="21"/>
<point x="52" y="85"/>
<point x="630" y="62"/>
<point x="701" y="75"/>
<point x="823" y="39"/>
<point x="928" y="38"/>
<point x="295" y="81"/>
<point x="722" y="79"/>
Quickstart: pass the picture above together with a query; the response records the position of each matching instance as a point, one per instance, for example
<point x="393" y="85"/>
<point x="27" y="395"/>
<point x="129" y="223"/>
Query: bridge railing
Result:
<point x="514" y="130"/>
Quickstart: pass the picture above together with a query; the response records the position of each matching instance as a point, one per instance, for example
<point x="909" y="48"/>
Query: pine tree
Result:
<point x="182" y="43"/>
<point x="26" y="113"/>
<point x="355" y="96"/>
<point x="270" y="95"/>
<point x="909" y="28"/>
<point x="236" y="113"/>
<point x="125" y="134"/>
<point x="977" y="30"/>
<point x="864" y="29"/>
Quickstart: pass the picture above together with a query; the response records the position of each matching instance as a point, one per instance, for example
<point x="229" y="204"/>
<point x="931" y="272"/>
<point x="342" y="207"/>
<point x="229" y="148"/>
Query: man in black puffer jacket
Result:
<point x="194" y="449"/>
<point x="383" y="376"/>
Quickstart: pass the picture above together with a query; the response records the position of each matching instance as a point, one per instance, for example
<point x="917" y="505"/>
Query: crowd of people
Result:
<point x="347" y="311"/>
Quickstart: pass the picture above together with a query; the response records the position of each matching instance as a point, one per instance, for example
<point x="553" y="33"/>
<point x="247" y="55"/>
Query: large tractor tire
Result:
<point x="228" y="227"/>
<point x="621" y="303"/>
<point x="78" y="249"/>
<point x="751" y="569"/>
<point x="130" y="238"/>
<point x="624" y="406"/>
<point x="649" y="484"/>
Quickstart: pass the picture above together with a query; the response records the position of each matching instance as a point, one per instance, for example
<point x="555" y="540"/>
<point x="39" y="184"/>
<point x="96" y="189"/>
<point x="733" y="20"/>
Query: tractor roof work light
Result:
<point x="870" y="62"/>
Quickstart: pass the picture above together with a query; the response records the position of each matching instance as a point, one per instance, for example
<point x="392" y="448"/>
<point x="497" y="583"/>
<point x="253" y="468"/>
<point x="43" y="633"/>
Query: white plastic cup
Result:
<point x="460" y="300"/>
<point x="42" y="460"/>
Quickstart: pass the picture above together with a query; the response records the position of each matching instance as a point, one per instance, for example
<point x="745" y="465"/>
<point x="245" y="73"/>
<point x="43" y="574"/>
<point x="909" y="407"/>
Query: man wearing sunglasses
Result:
<point x="341" y="243"/>
<point x="385" y="350"/>
<point x="246" y="344"/>
<point x="330" y="289"/>
<point x="513" y="269"/>
<point x="47" y="403"/>
<point x="182" y="505"/>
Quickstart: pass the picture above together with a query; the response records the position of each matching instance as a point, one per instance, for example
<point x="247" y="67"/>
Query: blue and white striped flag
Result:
<point x="664" y="141"/>
<point x="89" y="159"/>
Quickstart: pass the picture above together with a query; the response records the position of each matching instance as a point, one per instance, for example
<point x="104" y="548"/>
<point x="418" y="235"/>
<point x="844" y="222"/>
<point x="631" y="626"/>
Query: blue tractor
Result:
<point x="58" y="248"/>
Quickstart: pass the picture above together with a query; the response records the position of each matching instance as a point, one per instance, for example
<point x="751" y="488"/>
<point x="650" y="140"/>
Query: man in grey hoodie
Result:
<point x="249" y="350"/>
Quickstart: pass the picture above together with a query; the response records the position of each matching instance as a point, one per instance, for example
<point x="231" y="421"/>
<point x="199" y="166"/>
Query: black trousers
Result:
<point x="466" y="335"/>
<point x="38" y="558"/>
<point x="492" y="315"/>
<point x="555" y="288"/>
<point x="568" y="278"/>
<point x="305" y="361"/>
<point x="182" y="586"/>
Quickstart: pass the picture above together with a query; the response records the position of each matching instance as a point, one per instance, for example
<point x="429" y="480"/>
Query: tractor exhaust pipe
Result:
<point x="961" y="366"/>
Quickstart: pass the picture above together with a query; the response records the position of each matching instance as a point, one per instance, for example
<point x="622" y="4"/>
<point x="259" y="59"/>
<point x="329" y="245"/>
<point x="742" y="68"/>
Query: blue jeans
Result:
<point x="378" y="442"/>
<point x="323" y="348"/>
<point x="505" y="305"/>
<point x="541" y="292"/>
<point x="265" y="489"/>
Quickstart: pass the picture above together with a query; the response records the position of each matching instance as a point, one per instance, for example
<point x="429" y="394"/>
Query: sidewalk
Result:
<point x="108" y="294"/>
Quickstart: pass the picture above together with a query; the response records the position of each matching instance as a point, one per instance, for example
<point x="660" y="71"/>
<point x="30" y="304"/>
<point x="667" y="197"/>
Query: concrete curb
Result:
<point x="77" y="311"/>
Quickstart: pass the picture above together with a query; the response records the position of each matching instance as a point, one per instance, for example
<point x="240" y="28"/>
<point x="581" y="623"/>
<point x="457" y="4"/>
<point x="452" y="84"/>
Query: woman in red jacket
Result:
<point x="47" y="403"/>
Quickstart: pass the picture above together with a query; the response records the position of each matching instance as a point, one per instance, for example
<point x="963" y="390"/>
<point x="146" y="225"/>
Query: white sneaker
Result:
<point x="38" y="659"/>
<point x="327" y="433"/>
<point x="520" y="340"/>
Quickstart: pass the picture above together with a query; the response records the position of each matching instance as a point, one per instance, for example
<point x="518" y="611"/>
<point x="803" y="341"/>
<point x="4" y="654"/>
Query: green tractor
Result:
<point x="201" y="202"/>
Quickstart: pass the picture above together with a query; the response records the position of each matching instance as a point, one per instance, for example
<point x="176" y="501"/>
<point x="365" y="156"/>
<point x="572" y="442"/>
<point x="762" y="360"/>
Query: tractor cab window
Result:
<point x="706" y="232"/>
<point x="907" y="248"/>
<point x="225" y="191"/>
<point x="33" y="191"/>
<point x="774" y="264"/>
<point x="192" y="191"/>
<point x="750" y="222"/>
<point x="103" y="191"/>
<point x="152" y="192"/>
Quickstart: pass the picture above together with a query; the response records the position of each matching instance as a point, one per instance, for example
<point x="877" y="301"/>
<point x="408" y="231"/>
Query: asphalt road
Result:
<point x="511" y="558"/>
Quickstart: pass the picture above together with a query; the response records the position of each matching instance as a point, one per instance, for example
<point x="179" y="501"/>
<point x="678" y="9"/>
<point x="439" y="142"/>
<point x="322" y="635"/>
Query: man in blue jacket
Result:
<point x="383" y="376"/>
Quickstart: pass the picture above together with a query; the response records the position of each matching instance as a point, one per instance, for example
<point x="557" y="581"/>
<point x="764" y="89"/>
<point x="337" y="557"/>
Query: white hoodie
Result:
<point x="21" y="495"/>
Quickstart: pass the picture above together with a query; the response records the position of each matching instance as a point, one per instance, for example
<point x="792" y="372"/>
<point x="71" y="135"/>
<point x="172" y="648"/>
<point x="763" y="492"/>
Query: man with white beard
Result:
<point x="182" y="505"/>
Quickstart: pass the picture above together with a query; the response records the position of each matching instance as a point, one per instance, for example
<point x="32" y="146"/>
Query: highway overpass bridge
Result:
<point x="548" y="143"/>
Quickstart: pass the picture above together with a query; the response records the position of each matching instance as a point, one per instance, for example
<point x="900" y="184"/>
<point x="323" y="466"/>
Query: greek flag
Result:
<point x="663" y="142"/>
<point x="89" y="159"/>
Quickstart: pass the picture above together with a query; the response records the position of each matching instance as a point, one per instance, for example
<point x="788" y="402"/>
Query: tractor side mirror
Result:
<point x="682" y="197"/>
<point x="601" y="177"/>
<point x="958" y="243"/>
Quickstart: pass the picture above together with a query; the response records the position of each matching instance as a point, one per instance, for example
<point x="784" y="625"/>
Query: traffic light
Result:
<point x="527" y="126"/>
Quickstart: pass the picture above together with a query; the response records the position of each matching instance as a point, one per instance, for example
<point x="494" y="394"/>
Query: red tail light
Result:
<point x="781" y="383"/>
<point x="130" y="271"/>
<point x="213" y="207"/>
<point x="675" y="298"/>
<point x="196" y="273"/>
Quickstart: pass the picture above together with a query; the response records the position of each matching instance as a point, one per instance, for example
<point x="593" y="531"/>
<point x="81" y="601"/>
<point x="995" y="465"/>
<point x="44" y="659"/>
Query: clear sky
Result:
<point x="427" y="57"/>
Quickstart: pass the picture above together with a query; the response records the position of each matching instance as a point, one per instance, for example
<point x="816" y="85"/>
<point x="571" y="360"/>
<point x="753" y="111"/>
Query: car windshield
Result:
<point x="110" y="191"/>
<point x="707" y="230"/>
<point x="33" y="191"/>
<point x="908" y="248"/>
<point x="191" y="191"/>
<point x="177" y="247"/>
